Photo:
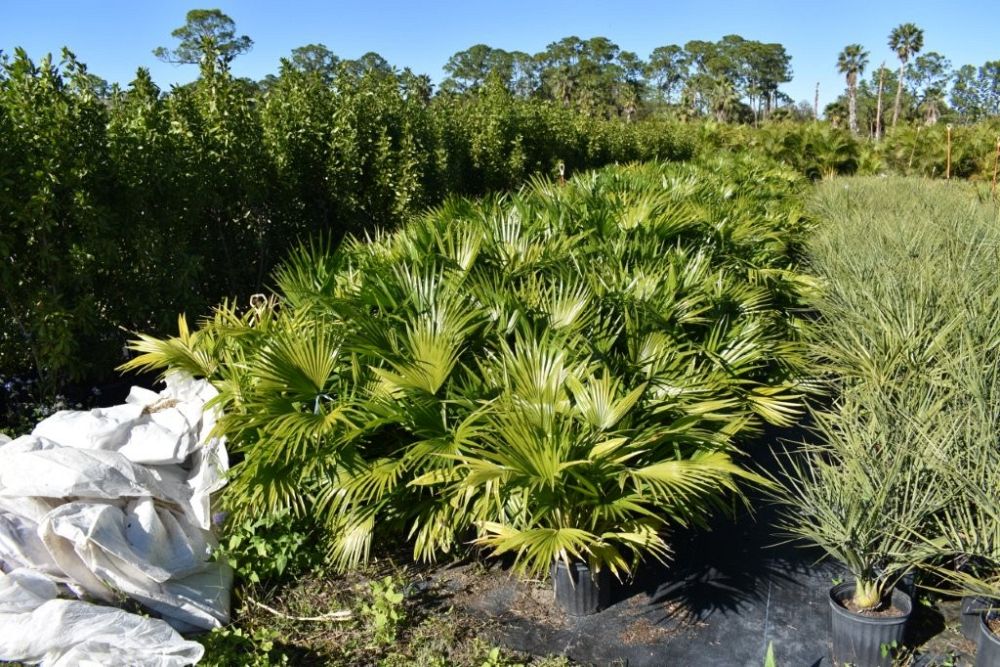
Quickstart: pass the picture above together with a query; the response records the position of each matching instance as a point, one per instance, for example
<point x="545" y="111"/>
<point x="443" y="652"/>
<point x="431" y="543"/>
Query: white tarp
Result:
<point x="110" y="503"/>
<point x="36" y="626"/>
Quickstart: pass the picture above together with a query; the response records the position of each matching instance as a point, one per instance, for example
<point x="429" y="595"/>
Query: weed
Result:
<point x="385" y="612"/>
<point x="268" y="548"/>
<point x="769" y="660"/>
<point x="234" y="646"/>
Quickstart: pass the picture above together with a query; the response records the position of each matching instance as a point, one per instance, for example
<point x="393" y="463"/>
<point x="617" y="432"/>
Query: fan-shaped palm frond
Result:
<point x="190" y="352"/>
<point x="562" y="372"/>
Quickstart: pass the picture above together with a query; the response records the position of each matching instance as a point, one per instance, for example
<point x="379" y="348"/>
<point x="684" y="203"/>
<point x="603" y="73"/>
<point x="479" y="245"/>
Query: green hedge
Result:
<point x="121" y="209"/>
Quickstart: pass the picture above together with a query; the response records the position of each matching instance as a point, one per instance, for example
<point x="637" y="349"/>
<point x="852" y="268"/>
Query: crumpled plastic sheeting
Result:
<point x="114" y="502"/>
<point x="35" y="626"/>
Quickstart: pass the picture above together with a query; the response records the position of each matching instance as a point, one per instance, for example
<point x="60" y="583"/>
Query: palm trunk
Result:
<point x="867" y="594"/>
<point x="852" y="108"/>
<point x="878" y="106"/>
<point x="899" y="95"/>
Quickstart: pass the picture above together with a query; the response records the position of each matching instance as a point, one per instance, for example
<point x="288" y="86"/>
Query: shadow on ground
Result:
<point x="728" y="593"/>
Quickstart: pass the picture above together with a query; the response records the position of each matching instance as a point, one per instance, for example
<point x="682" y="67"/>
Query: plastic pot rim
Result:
<point x="899" y="599"/>
<point x="988" y="634"/>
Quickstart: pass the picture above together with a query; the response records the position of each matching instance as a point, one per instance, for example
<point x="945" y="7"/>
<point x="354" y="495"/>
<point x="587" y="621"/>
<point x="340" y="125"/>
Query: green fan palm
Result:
<point x="575" y="473"/>
<point x="563" y="372"/>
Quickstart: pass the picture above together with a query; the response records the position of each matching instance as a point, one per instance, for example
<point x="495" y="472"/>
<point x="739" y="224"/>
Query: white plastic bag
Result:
<point x="106" y="503"/>
<point x="36" y="626"/>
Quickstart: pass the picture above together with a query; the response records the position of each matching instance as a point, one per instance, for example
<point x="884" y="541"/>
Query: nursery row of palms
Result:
<point x="908" y="466"/>
<point x="562" y="374"/>
<point x="822" y="151"/>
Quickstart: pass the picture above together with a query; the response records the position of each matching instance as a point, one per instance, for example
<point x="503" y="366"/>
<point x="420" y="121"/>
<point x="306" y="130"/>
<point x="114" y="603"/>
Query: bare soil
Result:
<point x="884" y="611"/>
<point x="497" y="592"/>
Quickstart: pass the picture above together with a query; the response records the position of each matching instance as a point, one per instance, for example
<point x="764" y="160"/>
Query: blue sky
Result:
<point x="115" y="36"/>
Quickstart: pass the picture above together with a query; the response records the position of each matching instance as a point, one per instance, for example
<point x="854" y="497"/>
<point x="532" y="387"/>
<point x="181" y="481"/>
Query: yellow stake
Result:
<point x="947" y="172"/>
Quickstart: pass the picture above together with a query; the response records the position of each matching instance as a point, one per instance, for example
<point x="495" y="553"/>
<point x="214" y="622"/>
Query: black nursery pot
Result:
<point x="988" y="644"/>
<point x="972" y="609"/>
<point x="578" y="591"/>
<point x="908" y="584"/>
<point x="863" y="641"/>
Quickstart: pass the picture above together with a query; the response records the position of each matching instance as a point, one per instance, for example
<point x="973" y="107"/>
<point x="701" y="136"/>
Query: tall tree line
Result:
<point x="733" y="79"/>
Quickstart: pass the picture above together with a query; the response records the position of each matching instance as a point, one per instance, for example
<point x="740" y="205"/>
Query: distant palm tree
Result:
<point x="852" y="62"/>
<point x="931" y="105"/>
<point x="906" y="40"/>
<point x="563" y="84"/>
<point x="878" y="104"/>
<point x="724" y="98"/>
<point x="628" y="99"/>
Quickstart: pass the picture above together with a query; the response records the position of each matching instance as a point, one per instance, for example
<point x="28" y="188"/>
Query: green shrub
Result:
<point x="123" y="208"/>
<point x="56" y="237"/>
<point x="922" y="150"/>
<point x="564" y="373"/>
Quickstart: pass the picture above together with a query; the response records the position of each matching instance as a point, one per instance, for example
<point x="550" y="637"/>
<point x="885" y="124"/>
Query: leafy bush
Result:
<point x="123" y="208"/>
<point x="269" y="547"/>
<point x="56" y="233"/>
<point x="561" y="373"/>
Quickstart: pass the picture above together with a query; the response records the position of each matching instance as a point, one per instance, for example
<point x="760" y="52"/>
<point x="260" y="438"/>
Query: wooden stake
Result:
<point x="913" y="149"/>
<point x="996" y="159"/>
<point x="947" y="169"/>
